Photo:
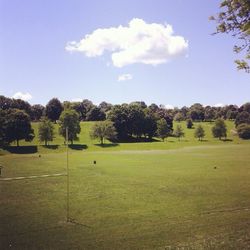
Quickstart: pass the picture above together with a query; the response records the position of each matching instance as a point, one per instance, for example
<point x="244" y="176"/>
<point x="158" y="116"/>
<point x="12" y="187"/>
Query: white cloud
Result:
<point x="76" y="100"/>
<point x="24" y="96"/>
<point x="217" y="105"/>
<point x="125" y="77"/>
<point x="139" y="42"/>
<point x="169" y="106"/>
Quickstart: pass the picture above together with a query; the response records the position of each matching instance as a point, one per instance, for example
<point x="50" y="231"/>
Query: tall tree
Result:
<point x="199" y="132"/>
<point x="149" y="124"/>
<point x="243" y="131"/>
<point x="103" y="130"/>
<point x="234" y="19"/>
<point x="95" y="114"/>
<point x="69" y="119"/>
<point x="54" y="109"/>
<point x="18" y="126"/>
<point x="37" y="111"/>
<point x="119" y="116"/>
<point x="163" y="130"/>
<point x="2" y="127"/>
<point x="45" y="131"/>
<point x="243" y="117"/>
<point x="219" y="129"/>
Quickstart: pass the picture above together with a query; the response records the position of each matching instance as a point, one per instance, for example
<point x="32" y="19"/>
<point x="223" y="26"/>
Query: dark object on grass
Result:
<point x="94" y="162"/>
<point x="39" y="156"/>
<point x="215" y="167"/>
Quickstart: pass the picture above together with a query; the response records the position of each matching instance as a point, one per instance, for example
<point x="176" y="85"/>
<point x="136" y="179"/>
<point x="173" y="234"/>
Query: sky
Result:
<point x="157" y="51"/>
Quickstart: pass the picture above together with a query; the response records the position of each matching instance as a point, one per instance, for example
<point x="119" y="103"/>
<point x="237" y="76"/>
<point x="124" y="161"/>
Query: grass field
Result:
<point x="158" y="195"/>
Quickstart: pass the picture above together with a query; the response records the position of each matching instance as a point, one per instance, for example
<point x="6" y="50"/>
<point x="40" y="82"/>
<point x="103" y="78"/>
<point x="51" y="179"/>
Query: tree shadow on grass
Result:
<point x="78" y="146"/>
<point x="51" y="146"/>
<point x="138" y="140"/>
<point x="108" y="145"/>
<point x="21" y="149"/>
<point x="225" y="140"/>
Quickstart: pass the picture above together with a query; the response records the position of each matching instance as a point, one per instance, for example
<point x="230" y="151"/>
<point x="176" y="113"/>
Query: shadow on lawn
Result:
<point x="78" y="146"/>
<point x="21" y="149"/>
<point x="138" y="140"/>
<point x="51" y="146"/>
<point x="225" y="140"/>
<point x="108" y="145"/>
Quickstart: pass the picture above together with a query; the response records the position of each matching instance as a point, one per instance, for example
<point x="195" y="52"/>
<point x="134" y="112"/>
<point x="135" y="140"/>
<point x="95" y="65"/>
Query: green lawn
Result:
<point x="159" y="195"/>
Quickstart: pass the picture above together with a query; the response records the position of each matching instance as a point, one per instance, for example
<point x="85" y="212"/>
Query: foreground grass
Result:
<point x="197" y="197"/>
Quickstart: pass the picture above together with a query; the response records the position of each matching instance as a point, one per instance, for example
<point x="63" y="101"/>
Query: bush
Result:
<point x="189" y="123"/>
<point x="244" y="131"/>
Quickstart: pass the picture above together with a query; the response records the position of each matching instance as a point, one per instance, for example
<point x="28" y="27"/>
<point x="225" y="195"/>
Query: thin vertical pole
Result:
<point x="67" y="145"/>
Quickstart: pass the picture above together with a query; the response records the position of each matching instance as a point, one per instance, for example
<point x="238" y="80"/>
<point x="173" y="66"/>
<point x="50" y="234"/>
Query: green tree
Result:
<point x="69" y="119"/>
<point x="199" y="132"/>
<point x="234" y="19"/>
<point x="243" y="131"/>
<point x="54" y="109"/>
<point x="103" y="130"/>
<point x="2" y="127"/>
<point x="37" y="111"/>
<point x="178" y="117"/>
<point x="119" y="116"/>
<point x="178" y="132"/>
<point x="45" y="131"/>
<point x="219" y="129"/>
<point x="149" y="124"/>
<point x="242" y="117"/>
<point x="18" y="126"/>
<point x="95" y="114"/>
<point x="189" y="123"/>
<point x="163" y="131"/>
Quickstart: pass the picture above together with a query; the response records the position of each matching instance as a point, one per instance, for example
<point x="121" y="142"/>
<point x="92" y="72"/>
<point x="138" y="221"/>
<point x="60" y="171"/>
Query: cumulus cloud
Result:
<point x="125" y="77"/>
<point x="76" y="100"/>
<point x="219" y="105"/>
<point x="139" y="42"/>
<point x="23" y="96"/>
<point x="169" y="106"/>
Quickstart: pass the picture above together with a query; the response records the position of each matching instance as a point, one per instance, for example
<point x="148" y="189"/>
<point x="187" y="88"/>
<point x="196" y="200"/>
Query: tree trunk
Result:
<point x="17" y="142"/>
<point x="101" y="140"/>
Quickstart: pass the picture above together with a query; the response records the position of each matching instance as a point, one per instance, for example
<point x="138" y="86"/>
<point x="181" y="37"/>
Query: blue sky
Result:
<point x="34" y="60"/>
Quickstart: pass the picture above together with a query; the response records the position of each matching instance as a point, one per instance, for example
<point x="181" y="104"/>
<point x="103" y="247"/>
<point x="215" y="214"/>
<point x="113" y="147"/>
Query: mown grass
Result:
<point x="159" y="195"/>
<point x="85" y="143"/>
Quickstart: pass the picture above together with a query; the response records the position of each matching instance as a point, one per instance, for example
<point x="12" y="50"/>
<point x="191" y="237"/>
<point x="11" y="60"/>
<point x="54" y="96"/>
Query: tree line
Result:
<point x="125" y="122"/>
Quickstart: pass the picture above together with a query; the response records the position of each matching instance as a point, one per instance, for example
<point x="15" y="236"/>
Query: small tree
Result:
<point x="219" y="130"/>
<point x="179" y="132"/>
<point x="103" y="130"/>
<point x="189" y="123"/>
<point x="163" y="130"/>
<point x="45" y="131"/>
<point x="199" y="133"/>
<point x="69" y="119"/>
<point x="243" y="131"/>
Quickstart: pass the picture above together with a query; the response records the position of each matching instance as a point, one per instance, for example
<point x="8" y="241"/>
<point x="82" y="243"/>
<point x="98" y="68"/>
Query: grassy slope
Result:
<point x="132" y="199"/>
<point x="86" y="143"/>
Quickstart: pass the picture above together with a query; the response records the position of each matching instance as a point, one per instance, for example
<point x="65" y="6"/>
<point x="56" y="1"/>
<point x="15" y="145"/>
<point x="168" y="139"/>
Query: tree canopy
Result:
<point x="103" y="130"/>
<point x="45" y="131"/>
<point x="69" y="119"/>
<point x="234" y="18"/>
<point x="18" y="126"/>
<point x="219" y="130"/>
